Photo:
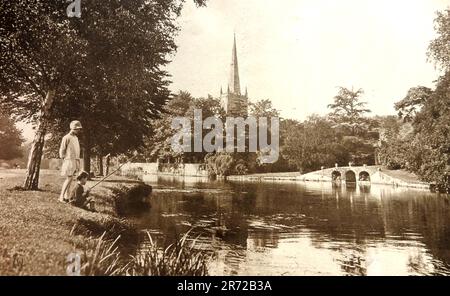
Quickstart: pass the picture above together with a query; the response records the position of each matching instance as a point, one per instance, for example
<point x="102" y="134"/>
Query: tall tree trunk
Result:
<point x="37" y="147"/>
<point x="100" y="164"/>
<point x="34" y="160"/>
<point x="87" y="152"/>
<point x="107" y="164"/>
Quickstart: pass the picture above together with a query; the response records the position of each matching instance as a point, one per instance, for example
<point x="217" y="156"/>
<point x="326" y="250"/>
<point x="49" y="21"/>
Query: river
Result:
<point x="304" y="228"/>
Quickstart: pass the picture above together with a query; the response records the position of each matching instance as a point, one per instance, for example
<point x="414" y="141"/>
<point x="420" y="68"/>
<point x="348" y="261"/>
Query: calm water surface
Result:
<point x="304" y="228"/>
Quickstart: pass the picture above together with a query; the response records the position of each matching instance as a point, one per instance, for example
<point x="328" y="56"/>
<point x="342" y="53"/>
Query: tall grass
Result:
<point x="105" y="259"/>
<point x="178" y="259"/>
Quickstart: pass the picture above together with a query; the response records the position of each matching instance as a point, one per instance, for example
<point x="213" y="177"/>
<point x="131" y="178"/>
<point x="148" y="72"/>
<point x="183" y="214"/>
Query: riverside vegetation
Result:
<point x="38" y="233"/>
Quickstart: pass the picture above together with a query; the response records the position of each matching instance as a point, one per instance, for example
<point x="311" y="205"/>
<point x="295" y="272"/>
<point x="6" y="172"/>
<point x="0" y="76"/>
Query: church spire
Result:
<point x="234" y="84"/>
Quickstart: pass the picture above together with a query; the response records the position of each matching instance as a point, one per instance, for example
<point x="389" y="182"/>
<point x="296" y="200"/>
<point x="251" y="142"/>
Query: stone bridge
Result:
<point x="354" y="175"/>
<point x="349" y="174"/>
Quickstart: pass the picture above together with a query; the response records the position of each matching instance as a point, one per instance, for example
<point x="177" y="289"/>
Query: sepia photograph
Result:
<point x="258" y="139"/>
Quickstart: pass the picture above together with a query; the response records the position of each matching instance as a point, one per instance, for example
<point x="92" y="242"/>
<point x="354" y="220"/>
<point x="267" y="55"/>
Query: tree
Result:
<point x="312" y="144"/>
<point x="288" y="128"/>
<point x="348" y="112"/>
<point x="424" y="150"/>
<point x="395" y="138"/>
<point x="439" y="48"/>
<point x="413" y="102"/>
<point x="10" y="139"/>
<point x="29" y="74"/>
<point x="104" y="69"/>
<point x="263" y="108"/>
<point x="431" y="123"/>
<point x="358" y="132"/>
<point x="432" y="130"/>
<point x="158" y="144"/>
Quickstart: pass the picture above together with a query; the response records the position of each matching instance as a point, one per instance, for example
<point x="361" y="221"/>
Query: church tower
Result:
<point x="234" y="103"/>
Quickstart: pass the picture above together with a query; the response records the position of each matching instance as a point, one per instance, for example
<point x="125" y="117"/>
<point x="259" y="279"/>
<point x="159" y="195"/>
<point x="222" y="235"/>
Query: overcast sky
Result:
<point x="296" y="52"/>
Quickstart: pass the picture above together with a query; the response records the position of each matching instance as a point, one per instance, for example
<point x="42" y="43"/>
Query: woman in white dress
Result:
<point x="70" y="153"/>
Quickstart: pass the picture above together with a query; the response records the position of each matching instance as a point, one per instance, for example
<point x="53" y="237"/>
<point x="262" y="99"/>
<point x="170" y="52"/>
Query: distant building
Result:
<point x="234" y="103"/>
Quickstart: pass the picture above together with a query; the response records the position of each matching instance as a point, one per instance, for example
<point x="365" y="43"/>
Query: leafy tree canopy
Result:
<point x="263" y="108"/>
<point x="439" y="48"/>
<point x="413" y="102"/>
<point x="10" y="139"/>
<point x="347" y="112"/>
<point x="312" y="144"/>
<point x="104" y="69"/>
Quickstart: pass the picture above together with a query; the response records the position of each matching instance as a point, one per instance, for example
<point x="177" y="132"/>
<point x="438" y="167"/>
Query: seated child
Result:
<point x="79" y="196"/>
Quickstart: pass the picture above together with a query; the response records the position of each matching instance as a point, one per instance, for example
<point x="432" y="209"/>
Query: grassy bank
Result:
<point x="37" y="232"/>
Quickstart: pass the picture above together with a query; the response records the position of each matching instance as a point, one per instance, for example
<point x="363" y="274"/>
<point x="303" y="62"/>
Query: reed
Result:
<point x="178" y="259"/>
<point x="105" y="259"/>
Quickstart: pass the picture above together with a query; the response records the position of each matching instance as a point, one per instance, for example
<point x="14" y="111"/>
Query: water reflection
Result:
<point x="305" y="228"/>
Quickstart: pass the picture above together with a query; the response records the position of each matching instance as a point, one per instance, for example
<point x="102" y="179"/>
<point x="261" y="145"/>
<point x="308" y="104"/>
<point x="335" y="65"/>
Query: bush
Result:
<point x="224" y="164"/>
<point x="219" y="164"/>
<point x="132" y="200"/>
<point x="241" y="168"/>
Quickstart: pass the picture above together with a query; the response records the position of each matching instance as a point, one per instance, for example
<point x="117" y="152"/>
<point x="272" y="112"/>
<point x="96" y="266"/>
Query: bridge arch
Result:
<point x="364" y="176"/>
<point x="350" y="176"/>
<point x="336" y="176"/>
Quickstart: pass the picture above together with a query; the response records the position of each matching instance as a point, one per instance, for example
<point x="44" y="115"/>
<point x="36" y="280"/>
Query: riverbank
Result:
<point x="38" y="232"/>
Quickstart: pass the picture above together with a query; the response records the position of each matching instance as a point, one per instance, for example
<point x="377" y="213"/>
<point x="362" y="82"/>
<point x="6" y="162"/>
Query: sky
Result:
<point x="297" y="52"/>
